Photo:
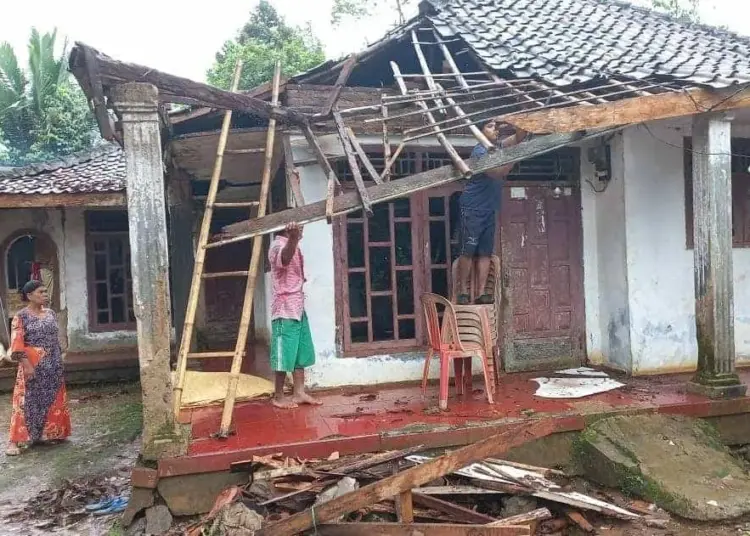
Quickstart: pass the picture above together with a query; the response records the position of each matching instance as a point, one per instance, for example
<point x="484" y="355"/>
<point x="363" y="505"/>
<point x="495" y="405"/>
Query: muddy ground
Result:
<point x="106" y="424"/>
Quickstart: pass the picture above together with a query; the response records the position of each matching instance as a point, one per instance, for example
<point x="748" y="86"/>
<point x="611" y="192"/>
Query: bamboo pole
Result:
<point x="352" y="160"/>
<point x="426" y="69"/>
<point x="454" y="156"/>
<point x="200" y="253"/>
<point x="451" y="62"/>
<point x="363" y="156"/>
<point x="247" y="306"/>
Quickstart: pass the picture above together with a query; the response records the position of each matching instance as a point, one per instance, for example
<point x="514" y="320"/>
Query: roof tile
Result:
<point x="99" y="170"/>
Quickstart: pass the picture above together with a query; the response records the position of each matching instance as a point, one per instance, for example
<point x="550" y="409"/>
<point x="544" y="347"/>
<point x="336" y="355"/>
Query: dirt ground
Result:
<point x="106" y="424"/>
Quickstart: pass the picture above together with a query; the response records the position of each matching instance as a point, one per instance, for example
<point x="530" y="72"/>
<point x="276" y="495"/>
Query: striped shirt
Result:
<point x="287" y="281"/>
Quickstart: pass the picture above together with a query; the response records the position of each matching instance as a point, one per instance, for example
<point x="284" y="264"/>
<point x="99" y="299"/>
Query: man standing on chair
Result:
<point x="480" y="202"/>
<point x="292" y="348"/>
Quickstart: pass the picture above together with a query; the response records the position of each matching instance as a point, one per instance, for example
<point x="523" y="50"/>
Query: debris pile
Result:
<point x="65" y="506"/>
<point x="465" y="491"/>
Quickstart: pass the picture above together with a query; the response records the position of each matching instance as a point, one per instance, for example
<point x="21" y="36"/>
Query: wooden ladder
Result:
<point x="251" y="274"/>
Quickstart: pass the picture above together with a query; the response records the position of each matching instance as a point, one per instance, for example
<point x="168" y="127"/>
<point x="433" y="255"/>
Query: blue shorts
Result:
<point x="477" y="233"/>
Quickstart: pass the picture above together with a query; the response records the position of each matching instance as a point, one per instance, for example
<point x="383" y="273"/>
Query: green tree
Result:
<point x="360" y="9"/>
<point x="683" y="9"/>
<point x="43" y="112"/>
<point x="265" y="38"/>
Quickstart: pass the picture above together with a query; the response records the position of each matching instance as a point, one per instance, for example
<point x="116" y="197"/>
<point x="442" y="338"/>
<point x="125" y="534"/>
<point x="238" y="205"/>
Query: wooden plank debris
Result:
<point x="379" y="193"/>
<point x="346" y="71"/>
<point x="459" y="513"/>
<point x="374" y="175"/>
<point x="291" y="172"/>
<point x="352" y="160"/>
<point x="417" y="529"/>
<point x="535" y="516"/>
<point x="630" y="111"/>
<point x="582" y="522"/>
<point x="410" y="478"/>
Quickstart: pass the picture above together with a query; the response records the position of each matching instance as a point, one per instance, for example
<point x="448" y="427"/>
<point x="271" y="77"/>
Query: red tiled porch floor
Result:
<point x="391" y="418"/>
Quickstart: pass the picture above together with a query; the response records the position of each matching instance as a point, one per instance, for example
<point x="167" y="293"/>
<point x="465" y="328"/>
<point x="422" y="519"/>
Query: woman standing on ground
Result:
<point x="40" y="408"/>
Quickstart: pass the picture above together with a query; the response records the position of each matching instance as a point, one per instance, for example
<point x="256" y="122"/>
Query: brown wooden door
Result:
<point x="542" y="263"/>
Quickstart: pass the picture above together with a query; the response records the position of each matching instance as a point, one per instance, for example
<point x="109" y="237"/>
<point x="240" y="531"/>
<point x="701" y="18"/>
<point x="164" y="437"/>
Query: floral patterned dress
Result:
<point x="40" y="407"/>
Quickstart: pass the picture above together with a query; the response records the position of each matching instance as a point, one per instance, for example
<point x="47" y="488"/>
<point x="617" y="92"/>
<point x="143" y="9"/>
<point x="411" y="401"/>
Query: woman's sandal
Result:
<point x="13" y="450"/>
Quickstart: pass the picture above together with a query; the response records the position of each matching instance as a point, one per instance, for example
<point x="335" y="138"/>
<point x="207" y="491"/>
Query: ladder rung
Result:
<point x="217" y="275"/>
<point x="238" y="204"/>
<point x="244" y="151"/>
<point x="210" y="355"/>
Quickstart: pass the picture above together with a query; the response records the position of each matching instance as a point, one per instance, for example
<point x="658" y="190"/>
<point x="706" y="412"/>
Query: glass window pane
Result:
<point x="117" y="280"/>
<point x="437" y="206"/>
<point x="357" y="295"/>
<point x="102" y="296"/>
<point x="438" y="243"/>
<point x="379" y="225"/>
<point x="440" y="281"/>
<point x="402" y="208"/>
<point x="405" y="288"/>
<point x="100" y="245"/>
<point x="382" y="318"/>
<point x="403" y="244"/>
<point x="355" y="245"/>
<point x="100" y="267"/>
<point x="102" y="318"/>
<point x="118" y="310"/>
<point x="380" y="268"/>
<point x="358" y="332"/>
<point x="406" y="329"/>
<point x="116" y="253"/>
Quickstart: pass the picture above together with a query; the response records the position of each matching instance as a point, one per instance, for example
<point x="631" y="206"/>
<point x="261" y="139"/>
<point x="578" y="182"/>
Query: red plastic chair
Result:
<point x="446" y="343"/>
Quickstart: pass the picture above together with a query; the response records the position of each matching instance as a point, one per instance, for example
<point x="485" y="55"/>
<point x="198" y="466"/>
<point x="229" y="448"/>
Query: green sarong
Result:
<point x="291" y="344"/>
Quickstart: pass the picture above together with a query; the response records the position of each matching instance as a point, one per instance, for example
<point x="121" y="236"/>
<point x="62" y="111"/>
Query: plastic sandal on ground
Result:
<point x="118" y="505"/>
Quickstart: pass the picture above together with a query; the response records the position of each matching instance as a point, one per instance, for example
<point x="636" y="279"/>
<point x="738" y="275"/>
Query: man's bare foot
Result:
<point x="304" y="398"/>
<point x="13" y="450"/>
<point x="284" y="403"/>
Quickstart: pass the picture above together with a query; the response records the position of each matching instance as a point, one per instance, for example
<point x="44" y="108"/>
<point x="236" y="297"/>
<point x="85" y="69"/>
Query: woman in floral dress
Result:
<point x="40" y="408"/>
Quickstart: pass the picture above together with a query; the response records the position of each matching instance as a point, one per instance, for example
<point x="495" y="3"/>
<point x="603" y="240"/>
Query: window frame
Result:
<point x="740" y="189"/>
<point x="91" y="236"/>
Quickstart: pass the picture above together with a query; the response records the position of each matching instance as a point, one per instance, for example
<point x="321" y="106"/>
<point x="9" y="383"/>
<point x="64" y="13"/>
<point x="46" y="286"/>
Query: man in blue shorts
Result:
<point x="480" y="202"/>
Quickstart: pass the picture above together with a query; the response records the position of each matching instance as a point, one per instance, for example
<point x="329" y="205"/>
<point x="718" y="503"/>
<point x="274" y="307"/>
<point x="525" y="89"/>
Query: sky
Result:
<point x="169" y="36"/>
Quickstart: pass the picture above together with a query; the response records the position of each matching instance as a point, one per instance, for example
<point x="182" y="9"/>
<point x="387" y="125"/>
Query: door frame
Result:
<point x="578" y="318"/>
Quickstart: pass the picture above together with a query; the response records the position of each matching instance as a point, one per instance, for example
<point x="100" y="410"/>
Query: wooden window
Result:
<point x="740" y="192"/>
<point x="110" y="283"/>
<point x="376" y="270"/>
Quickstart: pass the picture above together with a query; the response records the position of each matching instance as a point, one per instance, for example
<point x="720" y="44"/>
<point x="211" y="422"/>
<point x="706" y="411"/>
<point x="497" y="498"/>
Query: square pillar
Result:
<point x="712" y="230"/>
<point x="149" y="260"/>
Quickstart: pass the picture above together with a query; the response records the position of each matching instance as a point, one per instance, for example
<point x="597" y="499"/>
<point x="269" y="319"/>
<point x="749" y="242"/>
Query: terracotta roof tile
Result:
<point x="100" y="170"/>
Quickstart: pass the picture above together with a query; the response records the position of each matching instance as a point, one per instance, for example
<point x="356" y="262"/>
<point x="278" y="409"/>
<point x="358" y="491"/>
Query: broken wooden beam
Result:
<point x="379" y="193"/>
<point x="410" y="478"/>
<point x="458" y="513"/>
<point x="352" y="160"/>
<point x="291" y="173"/>
<point x="535" y="516"/>
<point x="452" y="153"/>
<point x="113" y="72"/>
<point x="630" y="111"/>
<point x="346" y="71"/>
<point x="416" y="529"/>
<point x="363" y="157"/>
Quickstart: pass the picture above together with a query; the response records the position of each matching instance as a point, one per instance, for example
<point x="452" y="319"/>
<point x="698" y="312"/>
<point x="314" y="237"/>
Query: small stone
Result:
<point x="158" y="520"/>
<point x="137" y="528"/>
<point x="140" y="499"/>
<point x="656" y="522"/>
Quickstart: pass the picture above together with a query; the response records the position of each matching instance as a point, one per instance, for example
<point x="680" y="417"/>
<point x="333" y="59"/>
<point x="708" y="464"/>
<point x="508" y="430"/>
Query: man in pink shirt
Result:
<point x="291" y="342"/>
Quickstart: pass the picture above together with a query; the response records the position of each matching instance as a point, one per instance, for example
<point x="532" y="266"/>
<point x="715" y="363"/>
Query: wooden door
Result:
<point x="542" y="262"/>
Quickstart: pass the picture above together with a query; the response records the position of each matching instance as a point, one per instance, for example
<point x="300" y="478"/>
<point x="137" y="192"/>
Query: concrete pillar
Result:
<point x="712" y="231"/>
<point x="149" y="258"/>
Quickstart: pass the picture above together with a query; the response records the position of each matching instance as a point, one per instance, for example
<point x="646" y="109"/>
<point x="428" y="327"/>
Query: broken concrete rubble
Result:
<point x="676" y="462"/>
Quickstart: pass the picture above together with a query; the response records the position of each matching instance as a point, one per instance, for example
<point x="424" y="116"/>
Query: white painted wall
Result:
<point x="67" y="229"/>
<point x="638" y="270"/>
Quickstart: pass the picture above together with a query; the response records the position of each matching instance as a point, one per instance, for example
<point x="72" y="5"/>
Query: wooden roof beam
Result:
<point x="630" y="111"/>
<point x="110" y="72"/>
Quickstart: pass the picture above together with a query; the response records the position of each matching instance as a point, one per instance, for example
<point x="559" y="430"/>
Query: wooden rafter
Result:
<point x="352" y="160"/>
<point x="171" y="88"/>
<point x="379" y="193"/>
<point x="346" y="71"/>
<point x="630" y="111"/>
